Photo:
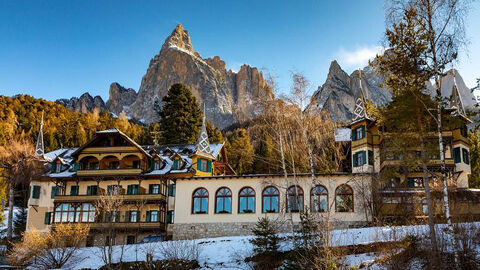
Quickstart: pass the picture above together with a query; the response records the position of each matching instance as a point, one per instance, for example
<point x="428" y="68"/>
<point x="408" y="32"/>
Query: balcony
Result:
<point x="109" y="172"/>
<point x="157" y="226"/>
<point x="126" y="198"/>
<point x="110" y="149"/>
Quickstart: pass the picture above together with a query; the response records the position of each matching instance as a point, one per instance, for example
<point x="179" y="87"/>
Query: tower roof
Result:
<point x="203" y="145"/>
<point x="39" y="149"/>
<point x="359" y="111"/>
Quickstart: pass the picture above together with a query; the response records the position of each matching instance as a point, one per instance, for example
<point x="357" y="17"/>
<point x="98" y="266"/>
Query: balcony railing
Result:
<point x="110" y="149"/>
<point x="125" y="197"/>
<point x="128" y="171"/>
<point x="158" y="226"/>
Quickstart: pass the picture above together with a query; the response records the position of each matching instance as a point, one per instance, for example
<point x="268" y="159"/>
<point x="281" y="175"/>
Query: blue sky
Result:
<point x="60" y="49"/>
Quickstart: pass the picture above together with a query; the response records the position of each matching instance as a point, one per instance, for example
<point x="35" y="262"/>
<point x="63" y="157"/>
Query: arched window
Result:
<point x="223" y="201"/>
<point x="295" y="199"/>
<point x="200" y="201"/>
<point x="270" y="200"/>
<point x="319" y="199"/>
<point x="344" y="198"/>
<point x="246" y="201"/>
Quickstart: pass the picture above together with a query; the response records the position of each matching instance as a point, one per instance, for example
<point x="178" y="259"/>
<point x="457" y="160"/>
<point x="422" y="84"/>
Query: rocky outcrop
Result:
<point x="336" y="96"/>
<point x="120" y="99"/>
<point x="228" y="96"/>
<point x="84" y="104"/>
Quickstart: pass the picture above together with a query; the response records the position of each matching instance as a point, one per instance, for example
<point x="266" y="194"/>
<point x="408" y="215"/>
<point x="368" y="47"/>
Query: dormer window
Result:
<point x="204" y="165"/>
<point x="58" y="167"/>
<point x="176" y="164"/>
<point x="156" y="165"/>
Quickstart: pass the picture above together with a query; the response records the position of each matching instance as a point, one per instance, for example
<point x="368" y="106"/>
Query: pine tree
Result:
<point x="180" y="117"/>
<point x="266" y="239"/>
<point x="240" y="152"/>
<point x="474" y="139"/>
<point x="264" y="154"/>
<point x="20" y="221"/>
<point x="214" y="133"/>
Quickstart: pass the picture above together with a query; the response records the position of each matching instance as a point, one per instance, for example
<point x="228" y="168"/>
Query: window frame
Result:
<point x="247" y="196"/>
<point x="298" y="193"/>
<point x="223" y="197"/>
<point x="313" y="193"/>
<point x="200" y="197"/>
<point x="270" y="196"/>
<point x="351" y="193"/>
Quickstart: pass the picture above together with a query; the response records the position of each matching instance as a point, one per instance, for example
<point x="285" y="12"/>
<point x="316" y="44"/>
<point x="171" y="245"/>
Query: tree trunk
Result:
<point x="428" y="195"/>
<point x="11" y="200"/>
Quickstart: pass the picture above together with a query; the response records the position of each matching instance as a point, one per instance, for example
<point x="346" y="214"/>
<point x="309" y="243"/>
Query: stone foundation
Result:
<point x="209" y="230"/>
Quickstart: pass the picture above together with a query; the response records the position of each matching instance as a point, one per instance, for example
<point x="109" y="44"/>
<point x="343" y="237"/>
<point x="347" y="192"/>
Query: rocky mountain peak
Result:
<point x="180" y="39"/>
<point x="84" y="104"/>
<point x="120" y="98"/>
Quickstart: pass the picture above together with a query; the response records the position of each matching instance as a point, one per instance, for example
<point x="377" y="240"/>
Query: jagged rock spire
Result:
<point x="203" y="144"/>
<point x="455" y="98"/>
<point x="360" y="112"/>
<point x="39" y="150"/>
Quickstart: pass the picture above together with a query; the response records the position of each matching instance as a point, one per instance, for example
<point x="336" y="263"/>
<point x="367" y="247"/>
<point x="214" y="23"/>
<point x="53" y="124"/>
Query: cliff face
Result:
<point x="120" y="99"/>
<point x="337" y="95"/>
<point x="84" y="104"/>
<point x="228" y="96"/>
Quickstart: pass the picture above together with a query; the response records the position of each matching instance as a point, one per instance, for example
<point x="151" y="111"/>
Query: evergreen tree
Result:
<point x="214" y="133"/>
<point x="180" y="117"/>
<point x="474" y="139"/>
<point x="240" y="152"/>
<point x="266" y="239"/>
<point x="264" y="154"/>
<point x="20" y="221"/>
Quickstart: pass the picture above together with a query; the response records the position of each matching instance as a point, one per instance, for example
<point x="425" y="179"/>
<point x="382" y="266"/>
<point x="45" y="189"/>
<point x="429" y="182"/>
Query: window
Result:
<point x="424" y="207"/>
<point x="344" y="199"/>
<point x="87" y="212"/>
<point x="156" y="165"/>
<point x="136" y="164"/>
<point x="456" y="155"/>
<point x="55" y="192"/>
<point x="58" y="167"/>
<point x="414" y="182"/>
<point x="359" y="159"/>
<point x="114" y="165"/>
<point x="295" y="199"/>
<point x="176" y="164"/>
<point x="171" y="190"/>
<point x="246" y="201"/>
<point x="466" y="156"/>
<point x="133" y="189"/>
<point x="74" y="190"/>
<point x="204" y="165"/>
<point x="200" y="201"/>
<point x="93" y="166"/>
<point x="152" y="216"/>
<point x="358" y="133"/>
<point x="112" y="216"/>
<point x="270" y="200"/>
<point x="464" y="131"/>
<point x="319" y="199"/>
<point x="36" y="192"/>
<point x="67" y="212"/>
<point x="92" y="190"/>
<point x="130" y="239"/>
<point x="223" y="201"/>
<point x="154" y="189"/>
<point x="113" y="190"/>
<point x="170" y="216"/>
<point x="132" y="216"/>
<point x="48" y="218"/>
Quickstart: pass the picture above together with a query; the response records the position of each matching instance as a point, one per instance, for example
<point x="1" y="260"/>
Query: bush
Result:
<point x="157" y="265"/>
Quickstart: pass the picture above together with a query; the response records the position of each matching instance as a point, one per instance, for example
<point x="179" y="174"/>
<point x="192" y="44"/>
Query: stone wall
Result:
<point x="219" y="229"/>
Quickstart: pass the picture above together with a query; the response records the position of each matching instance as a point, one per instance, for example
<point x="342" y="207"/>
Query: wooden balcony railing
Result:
<point x="109" y="172"/>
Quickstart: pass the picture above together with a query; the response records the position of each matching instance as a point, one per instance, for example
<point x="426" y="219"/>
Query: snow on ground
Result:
<point x="230" y="252"/>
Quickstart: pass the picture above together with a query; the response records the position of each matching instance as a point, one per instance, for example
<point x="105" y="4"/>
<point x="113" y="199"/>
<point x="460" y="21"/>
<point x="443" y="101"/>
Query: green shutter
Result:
<point x="354" y="138"/>
<point x="456" y="155"/>
<point x="370" y="157"/>
<point x="89" y="190"/>
<point x="74" y="190"/>
<point x="170" y="190"/>
<point x="47" y="218"/>
<point x="129" y="189"/>
<point x="52" y="170"/>
<point x="199" y="164"/>
<point x="466" y="158"/>
<point x="175" y="164"/>
<point x="169" y="217"/>
<point x="54" y="189"/>
<point x="127" y="216"/>
<point x="150" y="188"/>
<point x="209" y="166"/>
<point x="75" y="167"/>
<point x="151" y="164"/>
<point x="149" y="216"/>
<point x="355" y="160"/>
<point x="363" y="131"/>
<point x="36" y="192"/>
<point x="364" y="159"/>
